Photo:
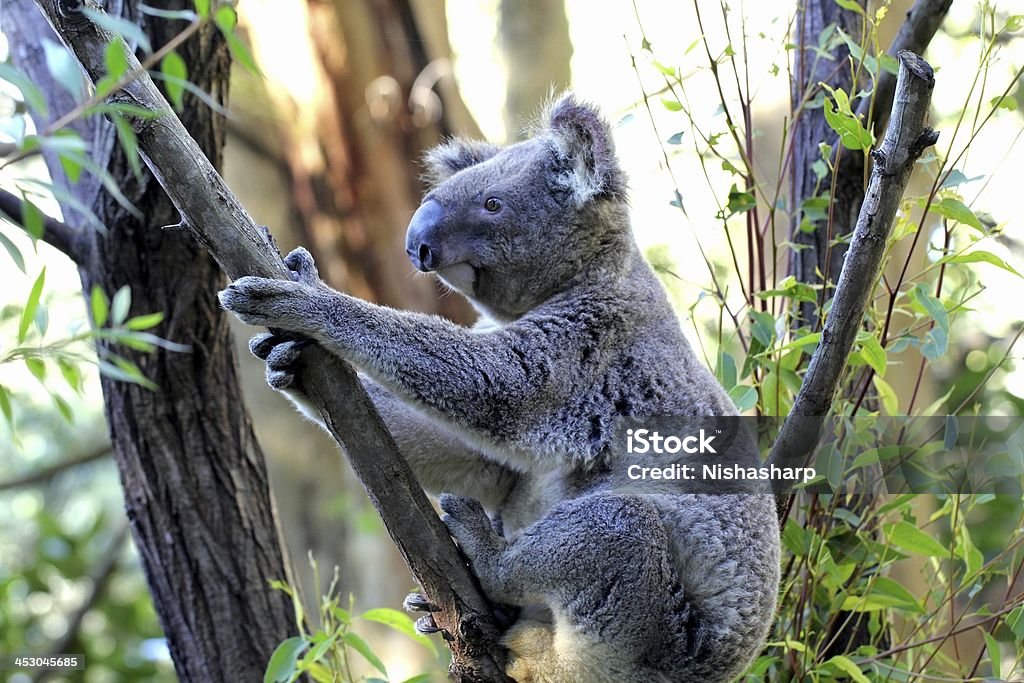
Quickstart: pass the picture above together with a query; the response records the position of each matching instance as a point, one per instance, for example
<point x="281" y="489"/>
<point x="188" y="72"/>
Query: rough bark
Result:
<point x="534" y="37"/>
<point x="905" y="139"/>
<point x="194" y="478"/>
<point x="816" y="261"/>
<point x="216" y="219"/>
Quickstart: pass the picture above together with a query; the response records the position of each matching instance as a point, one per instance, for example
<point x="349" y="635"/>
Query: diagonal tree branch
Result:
<point x="57" y="234"/>
<point x="905" y="139"/>
<point x="219" y="222"/>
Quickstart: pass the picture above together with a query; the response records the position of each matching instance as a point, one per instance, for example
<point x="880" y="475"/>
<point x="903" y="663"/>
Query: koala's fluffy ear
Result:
<point x="584" y="140"/>
<point x="448" y="158"/>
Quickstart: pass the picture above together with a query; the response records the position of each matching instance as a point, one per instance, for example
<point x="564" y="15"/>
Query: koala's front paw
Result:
<point x="273" y="303"/>
<point x="281" y="355"/>
<point x="471" y="527"/>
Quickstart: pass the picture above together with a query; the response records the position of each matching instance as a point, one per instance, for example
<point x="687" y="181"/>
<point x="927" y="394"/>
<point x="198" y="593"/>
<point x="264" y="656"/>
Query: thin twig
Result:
<point x="45" y="474"/>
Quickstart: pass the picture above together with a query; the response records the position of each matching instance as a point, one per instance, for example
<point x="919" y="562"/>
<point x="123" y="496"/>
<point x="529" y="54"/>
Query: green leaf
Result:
<point x="956" y="177"/>
<point x="852" y="5"/>
<point x="419" y="678"/>
<point x="363" y="648"/>
<point x="64" y="68"/>
<point x="995" y="657"/>
<point x="844" y="122"/>
<point x="71" y="373"/>
<point x="226" y="20"/>
<point x="895" y="592"/>
<point x="129" y="143"/>
<point x="99" y="305"/>
<point x="671" y="105"/>
<point x="282" y="663"/>
<point x="958" y="212"/>
<point x="5" y="406"/>
<point x="872" y="352"/>
<point x="887" y="394"/>
<point x="203" y="8"/>
<point x="844" y="664"/>
<point x="935" y="344"/>
<point x="37" y="366"/>
<point x="400" y="622"/>
<point x="31" y="93"/>
<point x="740" y="202"/>
<point x="744" y="397"/>
<point x="174" y="67"/>
<point x="1014" y="621"/>
<point x="13" y="252"/>
<point x="980" y="256"/>
<point x="930" y="305"/>
<point x="29" y="312"/>
<point x="122" y="302"/>
<point x="144" y="322"/>
<point x="908" y="537"/>
<point x="31" y="218"/>
<point x="115" y="60"/>
<point x="64" y="409"/>
<point x="763" y="327"/>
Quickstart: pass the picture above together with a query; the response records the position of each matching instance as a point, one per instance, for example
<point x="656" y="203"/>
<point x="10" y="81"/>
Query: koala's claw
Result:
<point x="300" y="263"/>
<point x="426" y="625"/>
<point x="416" y="602"/>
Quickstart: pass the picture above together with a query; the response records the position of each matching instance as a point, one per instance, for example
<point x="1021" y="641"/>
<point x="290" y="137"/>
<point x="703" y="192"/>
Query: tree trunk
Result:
<point x="534" y="37"/>
<point x="819" y="260"/>
<point x="195" y="483"/>
<point x="384" y="94"/>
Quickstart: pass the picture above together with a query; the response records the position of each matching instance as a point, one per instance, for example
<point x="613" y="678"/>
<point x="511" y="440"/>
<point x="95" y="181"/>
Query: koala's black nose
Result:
<point x="422" y="243"/>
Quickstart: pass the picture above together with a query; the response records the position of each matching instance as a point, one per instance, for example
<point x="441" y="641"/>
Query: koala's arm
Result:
<point x="481" y="384"/>
<point x="441" y="461"/>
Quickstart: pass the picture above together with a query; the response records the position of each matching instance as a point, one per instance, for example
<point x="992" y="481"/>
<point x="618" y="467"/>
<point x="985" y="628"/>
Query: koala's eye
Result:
<point x="493" y="205"/>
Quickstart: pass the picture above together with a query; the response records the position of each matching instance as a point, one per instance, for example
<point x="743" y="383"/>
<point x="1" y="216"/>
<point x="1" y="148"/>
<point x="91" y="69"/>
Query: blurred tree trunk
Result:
<point x="534" y="37"/>
<point x="818" y="259"/>
<point x="194" y="478"/>
<point x="384" y="95"/>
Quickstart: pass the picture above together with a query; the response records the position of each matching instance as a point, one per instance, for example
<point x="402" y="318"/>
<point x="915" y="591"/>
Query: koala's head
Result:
<point x="509" y="227"/>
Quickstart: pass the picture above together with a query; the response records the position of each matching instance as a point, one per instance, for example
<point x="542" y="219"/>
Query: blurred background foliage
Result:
<point x="323" y="147"/>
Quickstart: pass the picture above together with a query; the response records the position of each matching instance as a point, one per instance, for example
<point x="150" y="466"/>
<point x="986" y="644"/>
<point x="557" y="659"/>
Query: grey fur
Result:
<point x="519" y="413"/>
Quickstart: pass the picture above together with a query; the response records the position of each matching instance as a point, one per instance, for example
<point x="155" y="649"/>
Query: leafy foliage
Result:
<point x="927" y="588"/>
<point x="327" y="653"/>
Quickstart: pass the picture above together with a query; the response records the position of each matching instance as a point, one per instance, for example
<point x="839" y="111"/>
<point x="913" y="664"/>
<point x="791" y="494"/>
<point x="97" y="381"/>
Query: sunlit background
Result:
<point x="58" y="534"/>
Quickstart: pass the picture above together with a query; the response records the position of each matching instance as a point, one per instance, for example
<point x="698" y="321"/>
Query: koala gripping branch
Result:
<point x="216" y="218"/>
<point x="905" y="139"/>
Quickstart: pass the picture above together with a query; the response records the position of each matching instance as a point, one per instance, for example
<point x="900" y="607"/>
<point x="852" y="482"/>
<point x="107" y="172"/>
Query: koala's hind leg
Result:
<point x="600" y="563"/>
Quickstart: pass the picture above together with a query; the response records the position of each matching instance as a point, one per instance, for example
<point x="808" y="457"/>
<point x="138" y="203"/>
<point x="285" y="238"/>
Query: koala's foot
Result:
<point x="471" y="527"/>
<point x="416" y="602"/>
<point x="281" y="354"/>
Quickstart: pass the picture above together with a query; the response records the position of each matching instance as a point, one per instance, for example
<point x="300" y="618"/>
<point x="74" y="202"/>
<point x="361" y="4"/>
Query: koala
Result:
<point x="514" y="419"/>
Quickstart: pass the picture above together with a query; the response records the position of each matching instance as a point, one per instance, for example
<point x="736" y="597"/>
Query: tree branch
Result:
<point x="923" y="20"/>
<point x="58" y="235"/>
<point x="905" y="139"/>
<point x="47" y="473"/>
<point x="241" y="247"/>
